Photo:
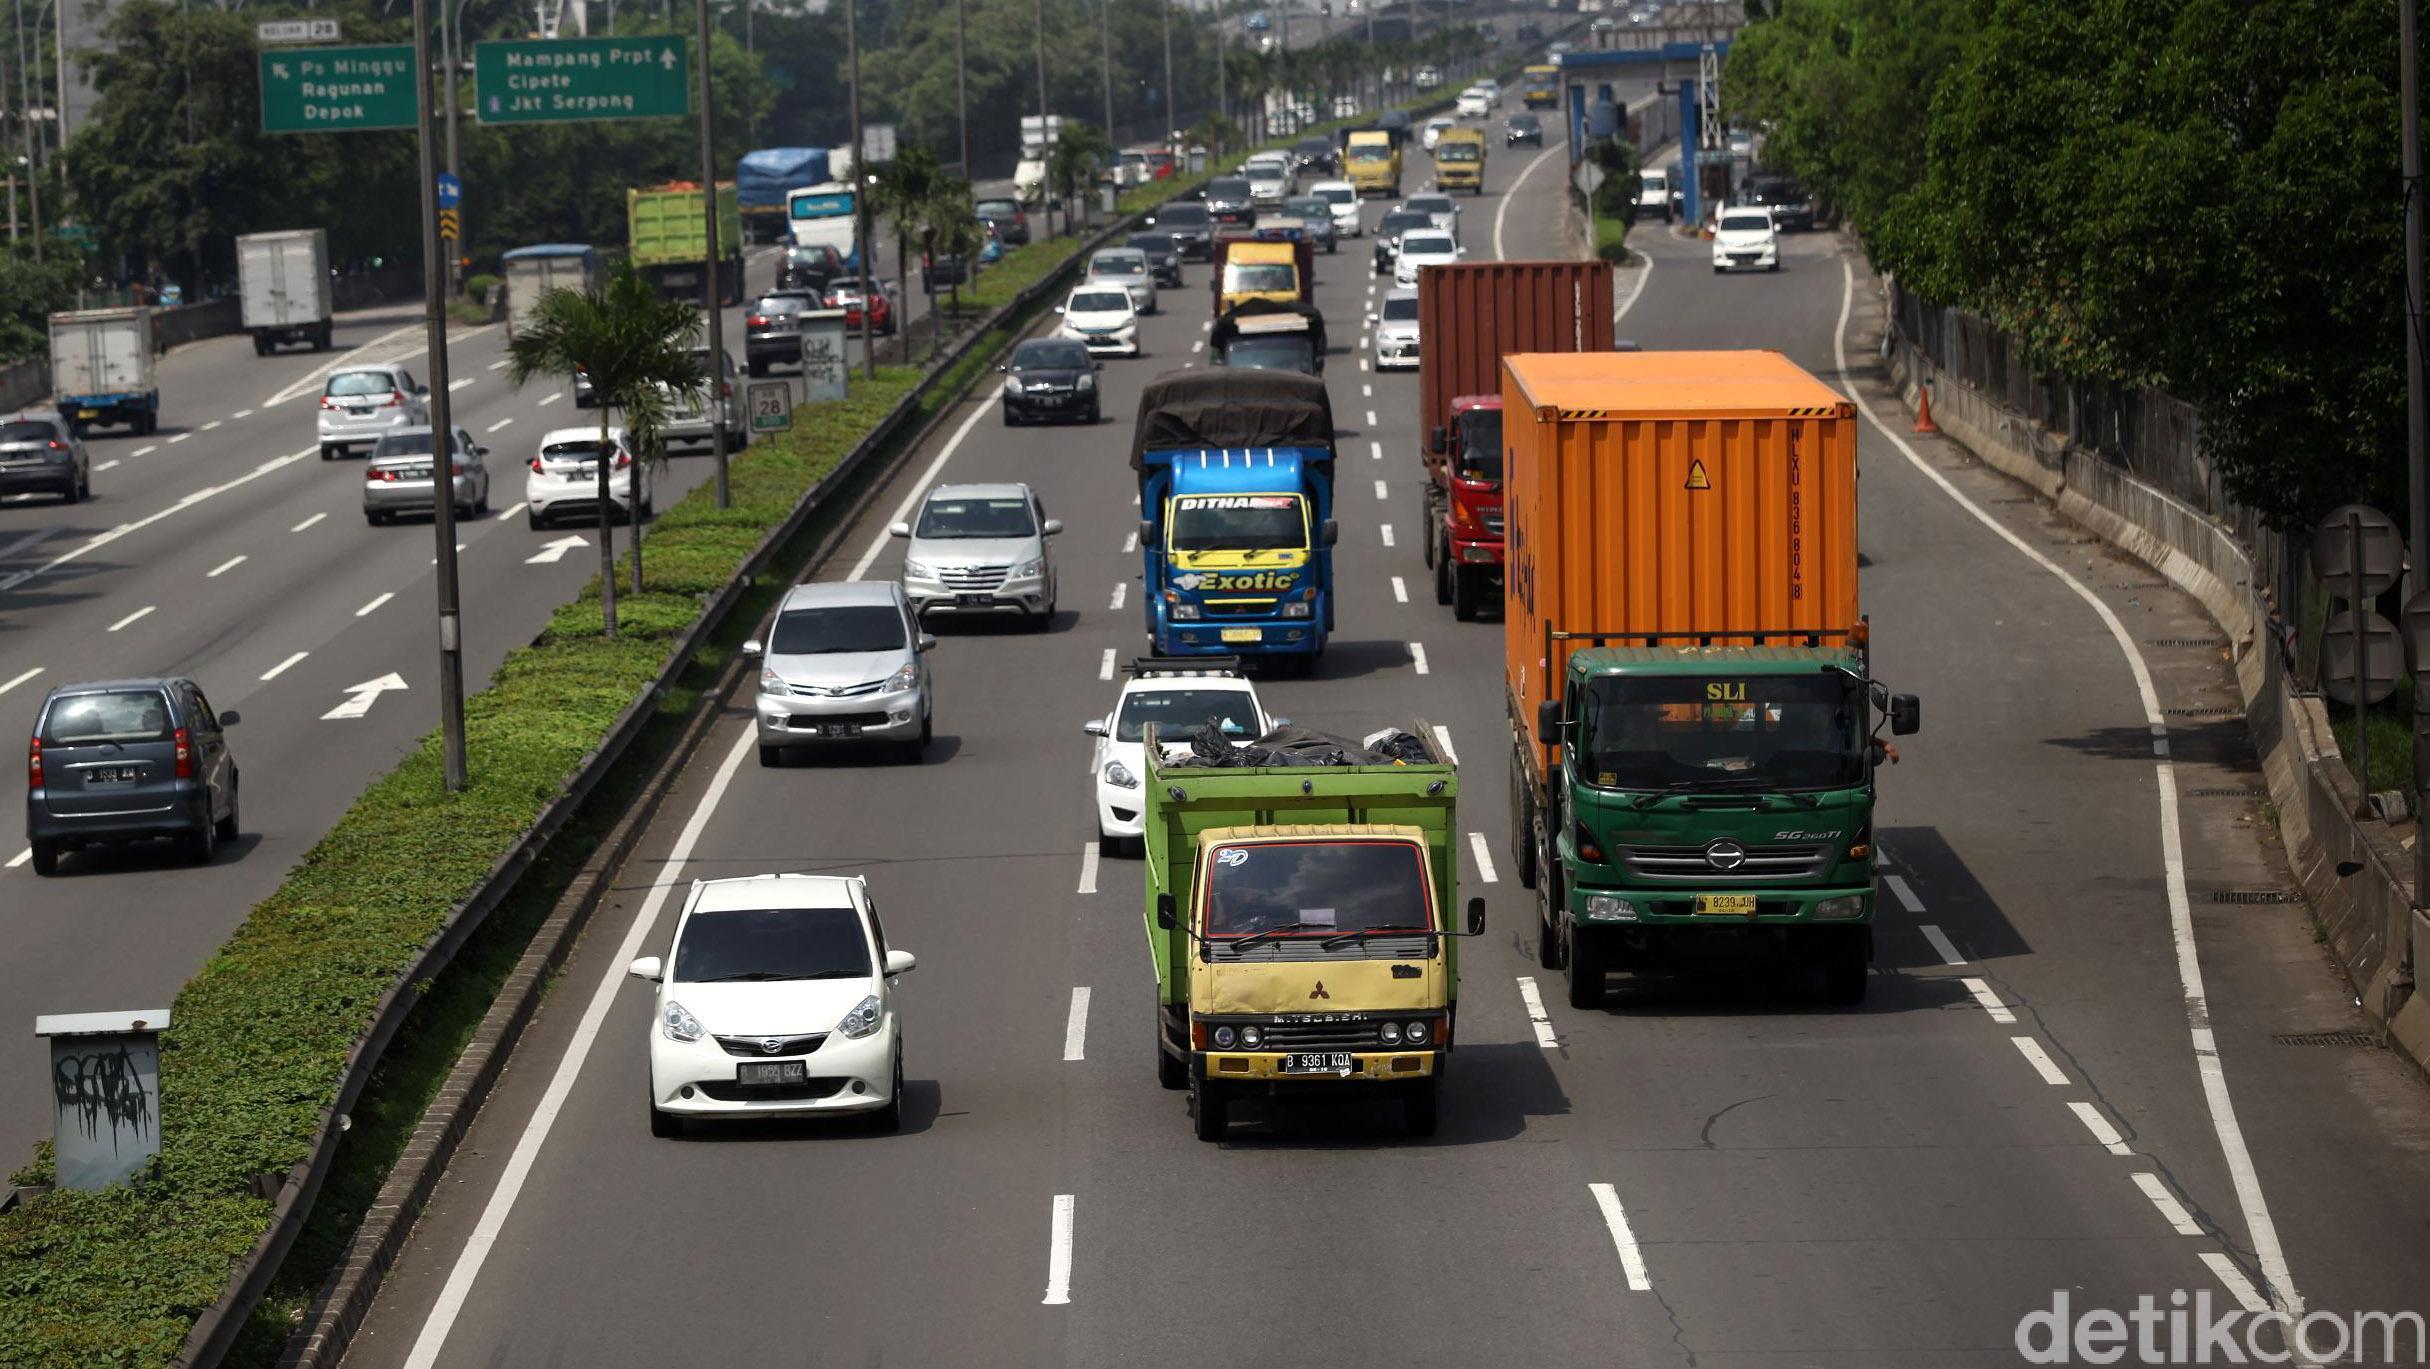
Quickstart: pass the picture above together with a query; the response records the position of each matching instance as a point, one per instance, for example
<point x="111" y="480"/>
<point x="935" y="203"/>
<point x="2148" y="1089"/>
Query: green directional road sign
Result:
<point x="338" y="90"/>
<point x="558" y="80"/>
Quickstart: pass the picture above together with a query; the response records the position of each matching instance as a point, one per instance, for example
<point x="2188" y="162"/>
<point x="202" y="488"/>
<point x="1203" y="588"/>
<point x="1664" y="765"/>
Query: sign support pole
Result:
<point x="442" y="429"/>
<point x="713" y="298"/>
<point x="2362" y="698"/>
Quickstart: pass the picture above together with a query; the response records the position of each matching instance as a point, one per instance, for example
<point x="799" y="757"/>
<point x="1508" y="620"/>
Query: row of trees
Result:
<point x="2203" y="196"/>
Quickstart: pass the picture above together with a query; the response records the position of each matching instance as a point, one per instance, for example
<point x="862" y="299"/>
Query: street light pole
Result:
<point x="25" y="105"/>
<point x="2417" y="403"/>
<point x="1172" y="122"/>
<point x="712" y="298"/>
<point x="451" y="17"/>
<point x="961" y="84"/>
<point x="1105" y="54"/>
<point x="442" y="428"/>
<point x="1045" y="144"/>
<point x="860" y="193"/>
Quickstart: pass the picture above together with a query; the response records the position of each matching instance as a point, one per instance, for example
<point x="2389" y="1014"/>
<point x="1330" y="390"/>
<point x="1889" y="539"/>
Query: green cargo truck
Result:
<point x="1301" y="921"/>
<point x="667" y="235"/>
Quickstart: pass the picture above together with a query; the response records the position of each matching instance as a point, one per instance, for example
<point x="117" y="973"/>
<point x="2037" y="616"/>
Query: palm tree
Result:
<point x="635" y="347"/>
<point x="948" y="227"/>
<point x="899" y="190"/>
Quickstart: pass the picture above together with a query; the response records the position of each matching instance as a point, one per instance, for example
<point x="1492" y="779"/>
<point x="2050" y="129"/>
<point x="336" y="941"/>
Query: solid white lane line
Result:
<point x="1059" y="1254"/>
<point x="1370" y="412"/>
<point x="1905" y="896"/>
<point x="1417" y="656"/>
<point x="1387" y="529"/>
<point x="1075" y="1029"/>
<point x="1105" y="663"/>
<point x="554" y="395"/>
<point x="2238" y="1286"/>
<point x="1485" y="870"/>
<point x="1375" y="450"/>
<point x="1632" y="1260"/>
<point x="312" y="379"/>
<point x="1130" y="542"/>
<point x="144" y="612"/>
<point x="918" y="490"/>
<point x="225" y="566"/>
<point x="1122" y="591"/>
<point x="503" y="422"/>
<point x="1379" y="490"/>
<point x="109" y="465"/>
<point x="460" y="1279"/>
<point x="2222" y="1105"/>
<point x="2100" y="1128"/>
<point x="319" y="516"/>
<point x="1536" y="1016"/>
<point x="148" y="450"/>
<point x="1088" y="868"/>
<point x="1502" y="210"/>
<point x="2040" y="1060"/>
<point x="21" y="677"/>
<point x="1443" y="734"/>
<point x="1400" y="591"/>
<point x="281" y="668"/>
<point x="219" y="422"/>
<point x="507" y="515"/>
<point x="368" y="609"/>
<point x="1941" y="944"/>
<point x="1990" y="1001"/>
<point x="2171" y="1211"/>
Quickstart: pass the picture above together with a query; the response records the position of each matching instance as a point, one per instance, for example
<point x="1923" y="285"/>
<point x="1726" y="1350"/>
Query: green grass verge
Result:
<point x="2391" y="731"/>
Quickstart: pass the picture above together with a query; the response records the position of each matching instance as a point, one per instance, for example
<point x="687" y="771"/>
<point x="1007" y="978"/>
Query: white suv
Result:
<point x="1745" y="239"/>
<point x="1178" y="696"/>
<point x="776" y="999"/>
<point x="362" y="404"/>
<point x="564" y="479"/>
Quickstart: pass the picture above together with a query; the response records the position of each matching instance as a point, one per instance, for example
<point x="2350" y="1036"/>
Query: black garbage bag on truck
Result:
<point x="1299" y="748"/>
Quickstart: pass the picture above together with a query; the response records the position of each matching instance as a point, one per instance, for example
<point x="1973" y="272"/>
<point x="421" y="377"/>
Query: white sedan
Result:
<point x="564" y="479"/>
<point x="1745" y="239"/>
<point x="1178" y="696"/>
<point x="776" y="999"/>
<point x="1102" y="319"/>
<point x="1421" y="248"/>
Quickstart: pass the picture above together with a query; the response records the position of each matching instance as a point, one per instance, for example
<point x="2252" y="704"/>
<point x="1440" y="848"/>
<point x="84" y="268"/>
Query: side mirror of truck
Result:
<point x="1147" y="531"/>
<point x="1476" y="917"/>
<point x="1906" y="714"/>
<point x="1548" y="722"/>
<point x="1332" y="532"/>
<point x="1438" y="440"/>
<point x="1164" y="911"/>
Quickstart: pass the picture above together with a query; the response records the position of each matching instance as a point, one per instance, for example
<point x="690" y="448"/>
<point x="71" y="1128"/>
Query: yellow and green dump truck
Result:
<point x="668" y="232"/>
<point x="1301" y="917"/>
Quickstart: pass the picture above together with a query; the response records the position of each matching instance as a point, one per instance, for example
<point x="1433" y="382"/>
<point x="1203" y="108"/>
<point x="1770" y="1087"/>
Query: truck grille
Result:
<point x="1415" y="946"/>
<point x="1238" y="608"/>
<point x="1321" y="1036"/>
<point x="1692" y="863"/>
<point x="972" y="577"/>
<point x="1491" y="519"/>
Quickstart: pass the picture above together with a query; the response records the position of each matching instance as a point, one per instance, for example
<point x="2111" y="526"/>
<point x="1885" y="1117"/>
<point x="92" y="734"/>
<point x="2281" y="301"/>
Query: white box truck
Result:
<point x="283" y="279"/>
<point x="103" y="368"/>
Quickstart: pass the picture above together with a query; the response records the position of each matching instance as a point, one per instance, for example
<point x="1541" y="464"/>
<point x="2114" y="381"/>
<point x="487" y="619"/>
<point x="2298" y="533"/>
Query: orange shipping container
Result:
<point x="1701" y="493"/>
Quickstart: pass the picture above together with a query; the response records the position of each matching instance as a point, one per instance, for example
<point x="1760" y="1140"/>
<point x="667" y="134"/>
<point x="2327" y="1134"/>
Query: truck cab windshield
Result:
<point x="1239" y="522"/>
<point x="1480" y="445"/>
<point x="1316" y="889"/>
<point x="1272" y="277"/>
<point x="1371" y="152"/>
<point x="1747" y="733"/>
<point x="1461" y="151"/>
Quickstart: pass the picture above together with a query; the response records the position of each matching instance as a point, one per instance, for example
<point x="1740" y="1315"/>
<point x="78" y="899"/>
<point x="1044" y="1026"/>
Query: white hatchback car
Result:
<point x="1745" y="239"/>
<point x="362" y="404"/>
<point x="1102" y="319"/>
<point x="1343" y="197"/>
<point x="1473" y="103"/>
<point x="1436" y="127"/>
<point x="564" y="479"/>
<point x="776" y="999"/>
<point x="1178" y="696"/>
<point x="1396" y="331"/>
<point x="1421" y="248"/>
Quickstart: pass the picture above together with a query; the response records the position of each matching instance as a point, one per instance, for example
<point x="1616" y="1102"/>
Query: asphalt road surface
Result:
<point x="2036" y="1096"/>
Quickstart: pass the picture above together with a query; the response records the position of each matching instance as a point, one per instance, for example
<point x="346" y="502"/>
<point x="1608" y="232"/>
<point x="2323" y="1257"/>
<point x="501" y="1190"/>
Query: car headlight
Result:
<point x="862" y="1020"/>
<point x="1610" y="906"/>
<point x="772" y="683"/>
<point x="1417" y="1033"/>
<point x="905" y="678"/>
<point x="1119" y="775"/>
<point x="1298" y="608"/>
<point x="1224" y="1037"/>
<point x="1012" y="385"/>
<point x="1251" y="1038"/>
<point x="919" y="570"/>
<point x="1029" y="570"/>
<point x="1088" y="382"/>
<point x="678" y="1023"/>
<point x="1391" y="1033"/>
<point x="1840" y="909"/>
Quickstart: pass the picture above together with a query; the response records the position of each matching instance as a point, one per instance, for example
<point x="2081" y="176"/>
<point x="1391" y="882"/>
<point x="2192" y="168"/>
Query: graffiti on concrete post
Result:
<point x="103" y="1086"/>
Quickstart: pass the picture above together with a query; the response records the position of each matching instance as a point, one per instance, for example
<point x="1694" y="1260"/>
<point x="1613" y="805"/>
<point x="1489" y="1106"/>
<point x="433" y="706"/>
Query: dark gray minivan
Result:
<point x="129" y="760"/>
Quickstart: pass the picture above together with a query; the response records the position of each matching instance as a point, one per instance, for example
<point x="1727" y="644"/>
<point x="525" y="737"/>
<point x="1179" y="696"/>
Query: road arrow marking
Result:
<point x="554" y="552"/>
<point x="361" y="697"/>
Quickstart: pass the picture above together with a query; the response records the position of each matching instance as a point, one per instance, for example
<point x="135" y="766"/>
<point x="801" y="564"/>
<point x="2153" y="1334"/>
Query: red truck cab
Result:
<point x="1468" y="557"/>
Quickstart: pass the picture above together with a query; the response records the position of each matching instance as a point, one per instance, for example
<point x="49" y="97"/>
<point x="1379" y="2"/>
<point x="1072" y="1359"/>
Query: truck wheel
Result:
<point x="1522" y="826"/>
<point x="1467" y="594"/>
<point x="1212" y="1109"/>
<point x="1172" y="1072"/>
<point x="1548" y="937"/>
<point x="1419" y="1105"/>
<point x="1583" y="955"/>
<point x="1847" y="952"/>
<point x="1442" y="573"/>
<point x="261" y="345"/>
<point x="327" y="338"/>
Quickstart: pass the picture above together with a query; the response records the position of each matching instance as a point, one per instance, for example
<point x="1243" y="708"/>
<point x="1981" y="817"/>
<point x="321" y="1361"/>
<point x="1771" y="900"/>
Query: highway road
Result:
<point x="2065" y="1076"/>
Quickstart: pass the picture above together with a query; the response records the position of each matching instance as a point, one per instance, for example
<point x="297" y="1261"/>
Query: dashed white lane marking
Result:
<point x="1122" y="591"/>
<point x="1379" y="490"/>
<point x="368" y="609"/>
<point x="459" y="551"/>
<point x="2171" y="1211"/>
<point x="1375" y="451"/>
<point x="21" y="857"/>
<point x="1536" y="1016"/>
<point x="1905" y="896"/>
<point x="1130" y="542"/>
<point x="1632" y="1260"/>
<point x="1195" y="347"/>
<point x="109" y="465"/>
<point x="1990" y="1001"/>
<point x="242" y="413"/>
<point x="141" y="613"/>
<point x="1417" y="656"/>
<point x="1365" y="391"/>
<point x="1204" y="325"/>
<point x="1370" y="412"/>
<point x="1059" y="1254"/>
<point x="153" y="447"/>
<point x="183" y="436"/>
<point x="1400" y="591"/>
<point x="503" y="362"/>
<point x="2100" y="1128"/>
<point x="1105" y="665"/>
<point x="282" y="667"/>
<point x="223" y="567"/>
<point x="508" y="514"/>
<point x="1362" y="363"/>
<point x="458" y="384"/>
<point x="1387" y="534"/>
<point x="1443" y="734"/>
<point x="2040" y="1060"/>
<point x="1088" y="868"/>
<point x="504" y="422"/>
<point x="2221" y="1104"/>
<point x="319" y="516"/>
<point x="1485" y="870"/>
<point x="2238" y="1286"/>
<point x="214" y="423"/>
<point x="1075" y="1029"/>
<point x="1941" y="944"/>
<point x="554" y="395"/>
<point x="20" y="678"/>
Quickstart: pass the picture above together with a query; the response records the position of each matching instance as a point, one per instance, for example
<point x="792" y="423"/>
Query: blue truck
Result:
<point x="763" y="179"/>
<point x="1235" y="474"/>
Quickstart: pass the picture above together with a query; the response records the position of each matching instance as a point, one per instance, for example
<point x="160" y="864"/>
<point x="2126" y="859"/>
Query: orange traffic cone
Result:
<point x="1923" y="410"/>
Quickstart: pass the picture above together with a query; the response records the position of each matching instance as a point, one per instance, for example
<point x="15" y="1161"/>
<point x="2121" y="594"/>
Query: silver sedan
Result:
<point x="398" y="480"/>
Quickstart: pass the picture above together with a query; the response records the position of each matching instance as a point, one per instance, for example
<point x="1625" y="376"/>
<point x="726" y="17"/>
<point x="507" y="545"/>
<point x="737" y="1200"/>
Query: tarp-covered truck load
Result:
<point x="763" y="178"/>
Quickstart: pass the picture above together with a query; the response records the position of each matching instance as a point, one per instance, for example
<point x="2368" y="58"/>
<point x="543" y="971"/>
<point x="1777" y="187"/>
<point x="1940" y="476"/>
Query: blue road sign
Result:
<point x="451" y="191"/>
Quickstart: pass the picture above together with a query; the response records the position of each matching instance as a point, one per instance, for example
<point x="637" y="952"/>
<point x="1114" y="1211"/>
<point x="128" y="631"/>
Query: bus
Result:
<point x="1540" y="87"/>
<point x="822" y="216"/>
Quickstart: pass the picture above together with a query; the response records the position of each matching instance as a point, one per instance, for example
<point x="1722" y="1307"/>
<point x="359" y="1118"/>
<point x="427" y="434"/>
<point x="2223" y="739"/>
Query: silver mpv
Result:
<point x="981" y="549"/>
<point x="119" y="761"/>
<point x="844" y="661"/>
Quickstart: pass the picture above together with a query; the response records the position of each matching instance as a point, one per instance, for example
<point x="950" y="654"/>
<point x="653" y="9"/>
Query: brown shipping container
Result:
<point x="1675" y="492"/>
<point x="1471" y="314"/>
